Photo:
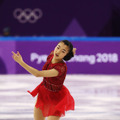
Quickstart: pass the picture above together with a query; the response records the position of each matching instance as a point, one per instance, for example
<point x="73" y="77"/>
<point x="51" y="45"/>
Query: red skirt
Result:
<point x="53" y="103"/>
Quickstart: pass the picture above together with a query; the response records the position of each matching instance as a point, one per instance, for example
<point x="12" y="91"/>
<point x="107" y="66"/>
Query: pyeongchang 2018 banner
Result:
<point x="93" y="55"/>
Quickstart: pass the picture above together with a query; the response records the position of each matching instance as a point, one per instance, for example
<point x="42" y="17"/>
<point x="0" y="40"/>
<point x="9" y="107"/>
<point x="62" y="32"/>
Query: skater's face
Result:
<point x="61" y="50"/>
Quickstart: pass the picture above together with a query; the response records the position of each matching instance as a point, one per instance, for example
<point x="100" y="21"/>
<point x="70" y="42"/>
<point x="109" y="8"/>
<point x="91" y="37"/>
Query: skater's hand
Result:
<point x="17" y="57"/>
<point x="74" y="51"/>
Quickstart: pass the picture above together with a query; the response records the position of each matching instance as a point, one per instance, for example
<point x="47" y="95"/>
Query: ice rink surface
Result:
<point x="97" y="97"/>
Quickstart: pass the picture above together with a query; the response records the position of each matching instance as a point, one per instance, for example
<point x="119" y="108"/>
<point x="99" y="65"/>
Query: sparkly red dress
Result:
<point x="53" y="97"/>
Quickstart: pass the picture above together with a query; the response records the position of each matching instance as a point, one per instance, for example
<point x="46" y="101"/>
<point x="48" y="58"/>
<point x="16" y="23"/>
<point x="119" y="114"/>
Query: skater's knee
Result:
<point x="38" y="114"/>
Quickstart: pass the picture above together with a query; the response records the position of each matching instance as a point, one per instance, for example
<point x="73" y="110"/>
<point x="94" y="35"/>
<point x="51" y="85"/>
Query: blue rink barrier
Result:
<point x="58" y="38"/>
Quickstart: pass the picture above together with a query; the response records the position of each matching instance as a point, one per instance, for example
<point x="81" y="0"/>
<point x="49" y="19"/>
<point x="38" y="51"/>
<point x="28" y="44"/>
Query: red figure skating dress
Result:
<point x="53" y="97"/>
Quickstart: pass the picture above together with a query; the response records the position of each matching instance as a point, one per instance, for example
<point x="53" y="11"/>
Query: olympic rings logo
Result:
<point x="27" y="15"/>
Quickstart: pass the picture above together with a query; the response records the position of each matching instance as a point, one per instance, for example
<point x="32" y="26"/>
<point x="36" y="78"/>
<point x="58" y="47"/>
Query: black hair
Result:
<point x="70" y="53"/>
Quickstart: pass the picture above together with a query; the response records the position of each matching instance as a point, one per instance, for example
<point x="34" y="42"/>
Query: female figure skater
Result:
<point x="53" y="97"/>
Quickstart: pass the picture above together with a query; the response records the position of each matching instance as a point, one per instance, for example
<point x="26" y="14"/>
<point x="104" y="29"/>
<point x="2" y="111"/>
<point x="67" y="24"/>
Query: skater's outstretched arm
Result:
<point x="44" y="73"/>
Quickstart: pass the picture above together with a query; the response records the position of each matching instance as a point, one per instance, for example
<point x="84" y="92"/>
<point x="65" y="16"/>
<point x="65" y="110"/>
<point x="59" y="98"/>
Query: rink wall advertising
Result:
<point x="93" y="56"/>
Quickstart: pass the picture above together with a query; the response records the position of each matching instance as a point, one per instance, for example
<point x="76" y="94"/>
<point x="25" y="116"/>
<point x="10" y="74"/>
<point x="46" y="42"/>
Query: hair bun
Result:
<point x="68" y="56"/>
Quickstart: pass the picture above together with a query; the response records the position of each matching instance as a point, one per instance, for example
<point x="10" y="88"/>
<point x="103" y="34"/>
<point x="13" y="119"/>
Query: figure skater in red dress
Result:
<point x="53" y="98"/>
